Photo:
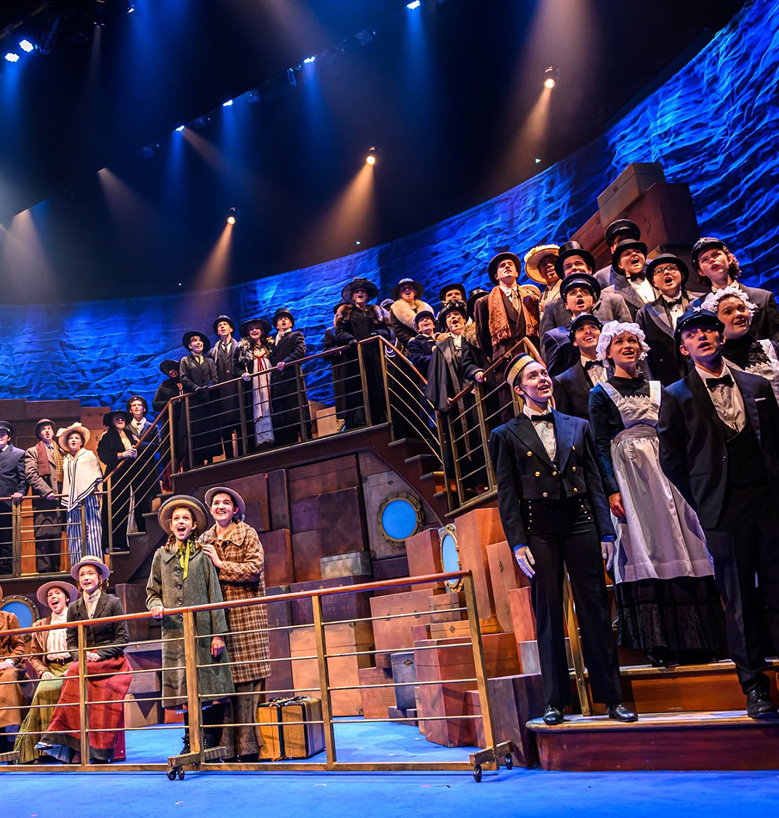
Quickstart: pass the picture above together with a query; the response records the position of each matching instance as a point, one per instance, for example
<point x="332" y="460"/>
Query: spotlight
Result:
<point x="26" y="46"/>
<point x="551" y="76"/>
<point x="181" y="128"/>
<point x="372" y="156"/>
<point x="232" y="215"/>
<point x="414" y="4"/>
<point x="130" y="6"/>
<point x="309" y="60"/>
<point x="227" y="104"/>
<point x="278" y="86"/>
<point x="11" y="57"/>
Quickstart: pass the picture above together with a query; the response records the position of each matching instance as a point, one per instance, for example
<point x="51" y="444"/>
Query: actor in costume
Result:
<point x="667" y="602"/>
<point x="145" y="475"/>
<point x="336" y="357"/>
<point x="617" y="231"/>
<point x="117" y="451"/>
<point x="13" y="486"/>
<point x="555" y="517"/>
<point x="452" y="292"/>
<point x="572" y="387"/>
<point x="197" y="372"/>
<point x="406" y="303"/>
<point x="420" y="347"/>
<point x="12" y="650"/>
<point x="182" y="576"/>
<point x="81" y="480"/>
<point x="540" y="267"/>
<point x="236" y="551"/>
<point x="43" y="471"/>
<point x="108" y="672"/>
<point x="289" y="403"/>
<point x="252" y="363"/>
<point x="171" y="387"/>
<point x="49" y="659"/>
<point x="226" y="397"/>
<point x="628" y="264"/>
<point x="714" y="262"/>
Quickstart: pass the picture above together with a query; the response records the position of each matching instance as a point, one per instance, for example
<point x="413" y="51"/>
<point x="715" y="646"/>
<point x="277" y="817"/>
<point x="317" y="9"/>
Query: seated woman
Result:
<point x="12" y="650"/>
<point x="81" y="479"/>
<point x="50" y="660"/>
<point x="108" y="673"/>
<point x="182" y="576"/>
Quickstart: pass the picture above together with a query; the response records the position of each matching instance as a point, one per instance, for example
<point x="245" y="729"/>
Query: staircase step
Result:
<point x="423" y="459"/>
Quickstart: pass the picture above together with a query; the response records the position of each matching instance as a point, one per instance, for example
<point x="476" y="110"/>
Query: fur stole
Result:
<point x="405" y="313"/>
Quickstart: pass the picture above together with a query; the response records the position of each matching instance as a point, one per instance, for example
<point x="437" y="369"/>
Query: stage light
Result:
<point x="11" y="57"/>
<point x="551" y="76"/>
<point x="200" y="122"/>
<point x="130" y="6"/>
<point x="309" y="60"/>
<point x="227" y="104"/>
<point x="26" y="46"/>
<point x="232" y="215"/>
<point x="414" y="4"/>
<point x="181" y="128"/>
<point x="538" y="161"/>
<point x="372" y="156"/>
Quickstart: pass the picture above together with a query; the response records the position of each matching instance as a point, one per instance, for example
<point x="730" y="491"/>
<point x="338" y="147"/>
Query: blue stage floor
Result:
<point x="527" y="793"/>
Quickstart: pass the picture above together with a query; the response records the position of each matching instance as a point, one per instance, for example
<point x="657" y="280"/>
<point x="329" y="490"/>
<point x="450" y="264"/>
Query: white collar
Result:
<point x="704" y="374"/>
<point x="531" y="413"/>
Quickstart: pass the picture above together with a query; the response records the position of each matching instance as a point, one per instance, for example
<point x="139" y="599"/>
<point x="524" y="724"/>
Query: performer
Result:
<point x="116" y="450"/>
<point x="145" y="477"/>
<point x="719" y="445"/>
<point x="555" y="517"/>
<point x="617" y="231"/>
<point x="108" y="672"/>
<point x="668" y="275"/>
<point x="420" y="348"/>
<point x="741" y="349"/>
<point x="171" y="387"/>
<point x="43" y="467"/>
<point x="197" y="372"/>
<point x="226" y="397"/>
<point x="452" y="292"/>
<point x="540" y="267"/>
<point x="81" y="479"/>
<point x="628" y="265"/>
<point x="252" y="362"/>
<point x="12" y="650"/>
<point x="181" y="576"/>
<point x="667" y="602"/>
<point x="713" y="261"/>
<point x="236" y="551"/>
<point x="338" y="366"/>
<point x="572" y="387"/>
<point x="49" y="659"/>
<point x="289" y="403"/>
<point x="13" y="486"/>
<point x="406" y="303"/>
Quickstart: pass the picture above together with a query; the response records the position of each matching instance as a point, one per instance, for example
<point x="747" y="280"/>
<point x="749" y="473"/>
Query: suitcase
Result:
<point x="302" y="737"/>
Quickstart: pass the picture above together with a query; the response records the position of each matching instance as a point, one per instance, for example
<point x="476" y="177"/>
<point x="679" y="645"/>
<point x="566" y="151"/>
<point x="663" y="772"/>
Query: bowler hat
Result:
<point x="225" y="318"/>
<point x="666" y="258"/>
<point x="475" y="295"/>
<point x="418" y="287"/>
<point x="186" y="340"/>
<point x="572" y="248"/>
<point x="706" y="243"/>
<point x="41" y="423"/>
<point x="357" y="283"/>
<point x="444" y="290"/>
<point x="623" y="246"/>
<point x="141" y="399"/>
<point x="632" y="230"/>
<point x="496" y="260"/>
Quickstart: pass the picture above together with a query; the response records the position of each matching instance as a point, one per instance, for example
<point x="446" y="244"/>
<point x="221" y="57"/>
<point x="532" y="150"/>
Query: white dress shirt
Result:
<point x="545" y="431"/>
<point x="726" y="398"/>
<point x="595" y="370"/>
<point x="675" y="310"/>
<point x="646" y="292"/>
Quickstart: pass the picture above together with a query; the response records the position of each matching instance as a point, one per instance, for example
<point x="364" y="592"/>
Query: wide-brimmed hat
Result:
<point x="622" y="226"/>
<point x="167" y="508"/>
<point x="450" y="307"/>
<point x="457" y="286"/>
<point x="108" y="417"/>
<point x="283" y="312"/>
<point x="71" y="592"/>
<point x="167" y="365"/>
<point x="364" y="283"/>
<point x="96" y="562"/>
<point x="143" y="401"/>
<point x="697" y="317"/>
<point x="580" y="280"/>
<point x="423" y="314"/>
<point x="44" y="422"/>
<point x="572" y="248"/>
<point x="237" y="499"/>
<point x="583" y="318"/>
<point x="667" y="258"/>
<point x="476" y="294"/>
<point x="6" y="427"/>
<point x="492" y="269"/>
<point x="533" y="259"/>
<point x="188" y="337"/>
<point x="623" y="246"/>
<point x="706" y="243"/>
<point x="64" y="434"/>
<point x="245" y="325"/>
<point x="417" y="285"/>
<point x="226" y="318"/>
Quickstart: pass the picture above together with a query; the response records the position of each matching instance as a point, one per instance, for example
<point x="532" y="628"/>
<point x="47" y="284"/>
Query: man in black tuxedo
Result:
<point x="287" y="387"/>
<point x="628" y="265"/>
<point x="572" y="388"/>
<point x="719" y="445"/>
<point x="13" y="486"/>
<point x="555" y="517"/>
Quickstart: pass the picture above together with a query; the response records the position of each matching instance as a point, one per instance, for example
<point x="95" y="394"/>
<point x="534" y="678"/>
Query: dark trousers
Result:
<point x="48" y="524"/>
<point x="745" y="543"/>
<point x="247" y="739"/>
<point x="6" y="539"/>
<point x="562" y="534"/>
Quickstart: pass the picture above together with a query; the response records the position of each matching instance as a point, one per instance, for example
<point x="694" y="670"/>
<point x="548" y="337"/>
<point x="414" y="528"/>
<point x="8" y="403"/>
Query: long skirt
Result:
<point x="108" y="681"/>
<point x="47" y="695"/>
<point x="93" y="533"/>
<point x="11" y="697"/>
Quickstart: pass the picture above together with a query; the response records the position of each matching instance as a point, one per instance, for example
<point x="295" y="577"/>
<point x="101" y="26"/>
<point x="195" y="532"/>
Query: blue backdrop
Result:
<point x="712" y="125"/>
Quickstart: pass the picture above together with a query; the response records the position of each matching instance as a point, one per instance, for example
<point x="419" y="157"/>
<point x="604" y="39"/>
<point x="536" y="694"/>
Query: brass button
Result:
<point x="546" y="494"/>
<point x="554" y="474"/>
<point x="576" y="491"/>
<point x="530" y="454"/>
<point x="538" y="474"/>
<point x="573" y="468"/>
<point x="573" y="448"/>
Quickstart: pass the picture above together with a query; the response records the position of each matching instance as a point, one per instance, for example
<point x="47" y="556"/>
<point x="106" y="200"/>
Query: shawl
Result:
<point x="81" y="477"/>
<point x="405" y="312"/>
<point x="500" y="329"/>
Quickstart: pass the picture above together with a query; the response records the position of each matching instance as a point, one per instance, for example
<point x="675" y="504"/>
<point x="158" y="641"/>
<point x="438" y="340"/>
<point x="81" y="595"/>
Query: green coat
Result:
<point x="167" y="587"/>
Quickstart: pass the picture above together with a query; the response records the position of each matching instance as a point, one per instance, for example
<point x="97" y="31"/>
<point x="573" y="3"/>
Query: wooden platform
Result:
<point x="724" y="740"/>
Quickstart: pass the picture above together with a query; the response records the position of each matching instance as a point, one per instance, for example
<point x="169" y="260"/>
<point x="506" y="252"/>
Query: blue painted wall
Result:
<point x="712" y="125"/>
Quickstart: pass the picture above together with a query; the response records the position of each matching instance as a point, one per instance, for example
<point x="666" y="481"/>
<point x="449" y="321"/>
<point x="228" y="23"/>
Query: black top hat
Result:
<point x="108" y="417"/>
<point x="697" y="317"/>
<point x="583" y="318"/>
<point x="626" y="244"/>
<point x="356" y="283"/>
<point x="706" y="243"/>
<point x="496" y="260"/>
<point x="452" y="306"/>
<point x="6" y="427"/>
<point x="667" y="258"/>
<point x="418" y="286"/>
<point x="580" y="280"/>
<point x="44" y="422"/>
<point x="476" y="294"/>
<point x="423" y="314"/>
<point x="572" y="248"/>
<point x="631" y="229"/>
<point x="266" y="327"/>
<point x="188" y="338"/>
<point x="167" y="365"/>
<point x="143" y="401"/>
<point x="224" y="318"/>
<point x="444" y="290"/>
<point x="283" y="312"/>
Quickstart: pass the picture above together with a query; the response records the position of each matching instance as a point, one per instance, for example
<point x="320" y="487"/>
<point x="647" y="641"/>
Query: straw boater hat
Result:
<point x="64" y="434"/>
<point x="194" y="505"/>
<point x="533" y="259"/>
<point x="70" y="591"/>
<point x="237" y="499"/>
<point x="95" y="562"/>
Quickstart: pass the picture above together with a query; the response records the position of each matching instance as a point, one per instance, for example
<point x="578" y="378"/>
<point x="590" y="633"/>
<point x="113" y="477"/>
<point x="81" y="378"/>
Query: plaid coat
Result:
<point x="242" y="577"/>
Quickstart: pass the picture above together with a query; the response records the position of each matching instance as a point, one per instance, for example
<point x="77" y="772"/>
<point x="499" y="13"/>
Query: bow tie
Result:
<point x="639" y="277"/>
<point x="592" y="364"/>
<point x="675" y="302"/>
<point x="547" y="418"/>
<point x="725" y="380"/>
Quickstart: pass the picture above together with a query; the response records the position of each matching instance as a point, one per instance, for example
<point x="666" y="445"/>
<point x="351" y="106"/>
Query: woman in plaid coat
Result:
<point x="237" y="554"/>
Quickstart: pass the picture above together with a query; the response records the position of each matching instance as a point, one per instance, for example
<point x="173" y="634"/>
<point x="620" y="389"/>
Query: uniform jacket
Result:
<point x="558" y="351"/>
<point x="106" y="639"/>
<point x="693" y="452"/>
<point x="610" y="307"/>
<point x="420" y="350"/>
<point x="572" y="391"/>
<point x="402" y="320"/>
<point x="12" y="477"/>
<point x="525" y="472"/>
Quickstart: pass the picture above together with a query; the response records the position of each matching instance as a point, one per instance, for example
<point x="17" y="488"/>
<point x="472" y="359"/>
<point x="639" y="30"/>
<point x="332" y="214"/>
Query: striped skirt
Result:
<point x="93" y="532"/>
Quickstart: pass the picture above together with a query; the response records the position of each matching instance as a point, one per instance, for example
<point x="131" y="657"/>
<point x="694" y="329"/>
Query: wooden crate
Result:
<point x="278" y="499"/>
<point x="142" y="710"/>
<point x="635" y="180"/>
<point x="424" y="555"/>
<point x="395" y="634"/>
<point x="357" y="564"/>
<point x="523" y="620"/>
<point x="342" y="520"/>
<point x="306" y="553"/>
<point x="305" y="514"/>
<point x="392" y="568"/>
<point x="376" y="701"/>
<point x="505" y="577"/>
<point x="404" y="672"/>
<point x="279" y="564"/>
<point x="335" y="607"/>
<point x="323" y="477"/>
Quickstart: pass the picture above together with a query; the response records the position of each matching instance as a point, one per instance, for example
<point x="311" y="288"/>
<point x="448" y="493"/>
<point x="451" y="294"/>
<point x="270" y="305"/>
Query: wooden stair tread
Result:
<point x="724" y="666"/>
<point x="655" y="721"/>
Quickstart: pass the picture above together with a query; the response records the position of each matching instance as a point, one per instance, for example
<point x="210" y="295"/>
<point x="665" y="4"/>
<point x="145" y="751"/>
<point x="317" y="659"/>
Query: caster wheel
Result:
<point x="180" y="774"/>
<point x="509" y="762"/>
<point x="477" y="773"/>
<point x="171" y="775"/>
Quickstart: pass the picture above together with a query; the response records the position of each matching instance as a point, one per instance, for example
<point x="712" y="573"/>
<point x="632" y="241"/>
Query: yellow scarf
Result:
<point x="184" y="551"/>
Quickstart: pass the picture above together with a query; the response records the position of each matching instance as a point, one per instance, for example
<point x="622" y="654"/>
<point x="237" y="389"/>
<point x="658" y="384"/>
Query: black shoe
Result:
<point x="621" y="712"/>
<point x="759" y="704"/>
<point x="553" y="715"/>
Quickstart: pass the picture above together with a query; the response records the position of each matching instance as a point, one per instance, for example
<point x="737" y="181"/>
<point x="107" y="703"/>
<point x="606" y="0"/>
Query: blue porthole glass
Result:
<point x="400" y="517"/>
<point x="21" y="610"/>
